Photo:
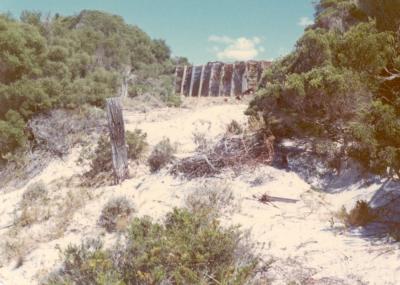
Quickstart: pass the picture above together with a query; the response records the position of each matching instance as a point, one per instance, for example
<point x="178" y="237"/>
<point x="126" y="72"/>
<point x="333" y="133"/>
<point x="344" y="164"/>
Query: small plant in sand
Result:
<point x="34" y="192"/>
<point x="162" y="154"/>
<point x="234" y="128"/>
<point x="201" y="141"/>
<point x="173" y="100"/>
<point x="101" y="160"/>
<point x="33" y="205"/>
<point x="115" y="214"/>
<point x="137" y="143"/>
<point x="214" y="197"/>
<point x="361" y="215"/>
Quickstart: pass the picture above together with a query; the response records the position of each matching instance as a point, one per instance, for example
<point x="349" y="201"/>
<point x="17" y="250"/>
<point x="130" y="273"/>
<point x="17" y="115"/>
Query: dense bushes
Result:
<point x="341" y="83"/>
<point x="191" y="248"/>
<point x="67" y="62"/>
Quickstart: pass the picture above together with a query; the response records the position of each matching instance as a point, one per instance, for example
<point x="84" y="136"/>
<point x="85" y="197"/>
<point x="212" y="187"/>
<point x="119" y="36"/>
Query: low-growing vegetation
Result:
<point x="162" y="154"/>
<point x="190" y="248"/>
<point x="33" y="205"/>
<point x="115" y="214"/>
<point x="100" y="160"/>
<point x="234" y="128"/>
<point x="100" y="168"/>
<point x="361" y="215"/>
<point x="214" y="197"/>
<point x="137" y="143"/>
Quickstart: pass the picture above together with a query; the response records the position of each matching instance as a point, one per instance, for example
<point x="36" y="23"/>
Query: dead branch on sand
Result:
<point x="231" y="151"/>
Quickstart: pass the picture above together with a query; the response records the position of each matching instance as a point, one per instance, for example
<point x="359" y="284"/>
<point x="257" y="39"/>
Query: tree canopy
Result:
<point x="341" y="83"/>
<point x="65" y="61"/>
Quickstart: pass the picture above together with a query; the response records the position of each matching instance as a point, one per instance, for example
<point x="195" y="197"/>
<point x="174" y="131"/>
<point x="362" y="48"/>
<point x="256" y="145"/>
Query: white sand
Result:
<point x="305" y="246"/>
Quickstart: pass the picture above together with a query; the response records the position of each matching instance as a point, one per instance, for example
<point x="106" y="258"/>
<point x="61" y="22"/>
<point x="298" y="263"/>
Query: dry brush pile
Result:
<point x="233" y="150"/>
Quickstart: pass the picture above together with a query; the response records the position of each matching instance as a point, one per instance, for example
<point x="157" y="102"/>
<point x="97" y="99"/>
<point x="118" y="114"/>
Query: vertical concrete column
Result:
<point x="201" y="79"/>
<point x="215" y="78"/>
<point x="205" y="88"/>
<point x="179" y="70"/>
<point x="196" y="77"/>
<point x="188" y="81"/>
<point x="183" y="80"/>
<point x="191" y="82"/>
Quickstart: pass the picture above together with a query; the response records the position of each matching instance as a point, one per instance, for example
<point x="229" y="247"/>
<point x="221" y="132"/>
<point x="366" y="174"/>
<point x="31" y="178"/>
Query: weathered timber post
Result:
<point x="117" y="137"/>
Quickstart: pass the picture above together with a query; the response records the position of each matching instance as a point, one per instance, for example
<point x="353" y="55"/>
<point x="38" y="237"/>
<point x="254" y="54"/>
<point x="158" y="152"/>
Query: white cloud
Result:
<point x="305" y="21"/>
<point x="241" y="48"/>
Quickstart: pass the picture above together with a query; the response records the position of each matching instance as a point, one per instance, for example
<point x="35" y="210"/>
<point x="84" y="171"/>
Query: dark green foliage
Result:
<point x="137" y="143"/>
<point x="67" y="62"/>
<point x="101" y="162"/>
<point x="386" y="13"/>
<point x="377" y="138"/>
<point x="191" y="248"/>
<point x="162" y="154"/>
<point x="12" y="132"/>
<point x="361" y="215"/>
<point x="22" y="50"/>
<point x="341" y="83"/>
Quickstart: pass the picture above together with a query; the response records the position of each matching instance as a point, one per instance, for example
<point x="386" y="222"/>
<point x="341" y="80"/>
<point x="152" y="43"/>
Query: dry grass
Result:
<point x="215" y="196"/>
<point x="44" y="214"/>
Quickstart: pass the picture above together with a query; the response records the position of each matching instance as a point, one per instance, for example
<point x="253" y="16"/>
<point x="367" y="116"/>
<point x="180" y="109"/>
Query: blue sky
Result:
<point x="201" y="30"/>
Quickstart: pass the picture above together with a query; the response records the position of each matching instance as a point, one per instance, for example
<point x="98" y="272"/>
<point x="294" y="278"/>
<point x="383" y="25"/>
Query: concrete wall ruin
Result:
<point x="218" y="78"/>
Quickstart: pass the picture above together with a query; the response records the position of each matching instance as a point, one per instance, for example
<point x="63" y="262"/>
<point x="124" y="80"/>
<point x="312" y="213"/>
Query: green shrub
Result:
<point x="341" y="83"/>
<point x="137" y="143"/>
<point x="173" y="100"/>
<point x="162" y="154"/>
<point x="115" y="214"/>
<point x="191" y="248"/>
<point x="360" y="215"/>
<point x="101" y="161"/>
<point x="69" y="61"/>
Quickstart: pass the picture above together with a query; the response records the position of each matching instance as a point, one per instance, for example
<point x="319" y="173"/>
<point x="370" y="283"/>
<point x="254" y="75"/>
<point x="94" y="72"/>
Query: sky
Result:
<point x="201" y="30"/>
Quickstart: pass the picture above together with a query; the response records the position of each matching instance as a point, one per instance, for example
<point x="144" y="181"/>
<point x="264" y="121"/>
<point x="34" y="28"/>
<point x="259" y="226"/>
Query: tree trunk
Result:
<point x="117" y="137"/>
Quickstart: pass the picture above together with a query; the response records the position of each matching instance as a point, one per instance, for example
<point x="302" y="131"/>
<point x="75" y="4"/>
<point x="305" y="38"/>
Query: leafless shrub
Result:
<point x="230" y="151"/>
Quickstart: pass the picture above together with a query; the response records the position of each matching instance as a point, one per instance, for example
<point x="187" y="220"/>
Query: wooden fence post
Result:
<point x="117" y="137"/>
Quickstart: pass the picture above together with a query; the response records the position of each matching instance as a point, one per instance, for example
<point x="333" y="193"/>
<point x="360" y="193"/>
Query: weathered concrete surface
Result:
<point x="219" y="79"/>
<point x="187" y="79"/>
<point x="214" y="85"/>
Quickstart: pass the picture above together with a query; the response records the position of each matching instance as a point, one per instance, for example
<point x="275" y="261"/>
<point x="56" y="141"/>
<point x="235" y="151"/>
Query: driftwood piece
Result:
<point x="117" y="137"/>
